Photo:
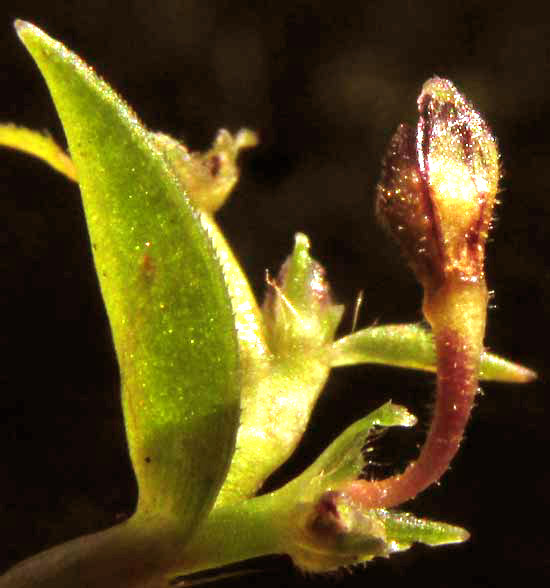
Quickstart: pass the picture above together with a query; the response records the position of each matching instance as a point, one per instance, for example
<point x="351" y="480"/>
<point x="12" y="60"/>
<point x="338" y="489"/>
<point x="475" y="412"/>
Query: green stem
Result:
<point x="242" y="531"/>
<point x="133" y="554"/>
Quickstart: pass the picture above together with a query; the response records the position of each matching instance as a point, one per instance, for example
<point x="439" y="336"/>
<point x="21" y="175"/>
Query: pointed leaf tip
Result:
<point x="20" y="25"/>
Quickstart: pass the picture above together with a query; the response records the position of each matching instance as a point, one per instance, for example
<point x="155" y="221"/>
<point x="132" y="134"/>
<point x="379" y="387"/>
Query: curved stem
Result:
<point x="457" y="312"/>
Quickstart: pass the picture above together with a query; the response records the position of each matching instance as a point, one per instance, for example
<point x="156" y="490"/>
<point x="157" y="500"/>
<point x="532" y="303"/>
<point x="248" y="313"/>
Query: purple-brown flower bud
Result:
<point x="438" y="186"/>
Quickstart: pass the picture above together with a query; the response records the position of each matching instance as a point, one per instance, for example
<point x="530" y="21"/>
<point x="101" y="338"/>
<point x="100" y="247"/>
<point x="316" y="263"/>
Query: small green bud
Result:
<point x="438" y="186"/>
<point x="298" y="309"/>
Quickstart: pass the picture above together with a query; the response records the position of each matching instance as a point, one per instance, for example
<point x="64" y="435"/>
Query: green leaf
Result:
<point x="164" y="291"/>
<point x="412" y="346"/>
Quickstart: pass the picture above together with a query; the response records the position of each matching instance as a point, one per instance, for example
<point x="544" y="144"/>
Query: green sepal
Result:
<point x="403" y="529"/>
<point x="164" y="291"/>
<point x="412" y="346"/>
<point x="344" y="458"/>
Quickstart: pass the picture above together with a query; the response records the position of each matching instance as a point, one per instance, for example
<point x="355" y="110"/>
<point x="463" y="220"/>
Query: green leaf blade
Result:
<point x="411" y="346"/>
<point x="164" y="291"/>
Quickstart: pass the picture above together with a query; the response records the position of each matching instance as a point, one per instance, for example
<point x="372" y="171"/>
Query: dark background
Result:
<point x="325" y="84"/>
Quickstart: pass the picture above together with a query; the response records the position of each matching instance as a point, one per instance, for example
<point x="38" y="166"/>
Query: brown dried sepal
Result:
<point x="404" y="208"/>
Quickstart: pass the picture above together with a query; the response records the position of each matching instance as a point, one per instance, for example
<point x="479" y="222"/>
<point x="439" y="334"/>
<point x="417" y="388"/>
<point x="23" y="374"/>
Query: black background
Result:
<point x="325" y="84"/>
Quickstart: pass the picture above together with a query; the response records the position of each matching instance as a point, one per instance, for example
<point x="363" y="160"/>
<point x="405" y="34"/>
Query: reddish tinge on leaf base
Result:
<point x="436" y="197"/>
